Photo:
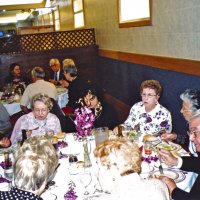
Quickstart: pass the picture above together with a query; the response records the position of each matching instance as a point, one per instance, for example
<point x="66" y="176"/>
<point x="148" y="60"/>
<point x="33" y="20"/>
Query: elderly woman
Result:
<point x="119" y="163"/>
<point x="38" y="122"/>
<point x="16" y="75"/>
<point x="148" y="114"/>
<point x="34" y="163"/>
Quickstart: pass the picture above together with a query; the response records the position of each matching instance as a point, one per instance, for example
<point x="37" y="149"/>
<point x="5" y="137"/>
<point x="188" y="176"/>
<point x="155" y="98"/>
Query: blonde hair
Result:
<point x="152" y="84"/>
<point x="125" y="155"/>
<point x="68" y="61"/>
<point x="34" y="163"/>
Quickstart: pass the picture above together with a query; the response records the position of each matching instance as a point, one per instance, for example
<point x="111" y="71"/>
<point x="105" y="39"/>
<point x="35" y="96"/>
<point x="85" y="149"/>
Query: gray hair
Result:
<point x="42" y="98"/>
<point x="70" y="67"/>
<point x="54" y="61"/>
<point x="34" y="163"/>
<point x="38" y="72"/>
<point x="192" y="96"/>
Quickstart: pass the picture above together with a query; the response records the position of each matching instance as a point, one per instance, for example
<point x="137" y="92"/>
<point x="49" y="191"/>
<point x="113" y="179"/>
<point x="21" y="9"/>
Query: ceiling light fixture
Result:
<point x="18" y="2"/>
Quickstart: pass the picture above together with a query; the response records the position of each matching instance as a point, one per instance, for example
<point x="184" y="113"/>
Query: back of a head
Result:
<point x="122" y="153"/>
<point x="70" y="67"/>
<point x="38" y="72"/>
<point x="34" y="163"/>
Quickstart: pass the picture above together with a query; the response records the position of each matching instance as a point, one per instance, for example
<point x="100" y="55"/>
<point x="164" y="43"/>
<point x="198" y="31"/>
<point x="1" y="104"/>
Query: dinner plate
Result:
<point x="169" y="173"/>
<point x="181" y="177"/>
<point x="170" y="146"/>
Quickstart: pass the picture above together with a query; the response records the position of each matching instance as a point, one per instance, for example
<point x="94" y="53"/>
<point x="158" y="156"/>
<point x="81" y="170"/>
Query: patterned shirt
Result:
<point x="18" y="194"/>
<point x="149" y="122"/>
<point x="28" y="122"/>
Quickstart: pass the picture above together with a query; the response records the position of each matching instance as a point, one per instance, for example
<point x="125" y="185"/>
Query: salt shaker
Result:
<point x="73" y="165"/>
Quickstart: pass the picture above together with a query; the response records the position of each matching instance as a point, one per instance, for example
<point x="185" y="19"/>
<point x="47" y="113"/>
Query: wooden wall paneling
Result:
<point x="173" y="64"/>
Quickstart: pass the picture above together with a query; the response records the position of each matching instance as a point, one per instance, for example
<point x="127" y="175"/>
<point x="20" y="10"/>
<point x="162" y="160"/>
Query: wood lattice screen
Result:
<point x="47" y="41"/>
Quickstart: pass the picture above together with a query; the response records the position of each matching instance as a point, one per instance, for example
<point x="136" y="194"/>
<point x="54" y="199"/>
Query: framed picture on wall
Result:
<point x="134" y="13"/>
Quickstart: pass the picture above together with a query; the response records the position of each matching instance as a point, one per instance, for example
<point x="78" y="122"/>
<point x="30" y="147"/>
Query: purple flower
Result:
<point x="84" y="120"/>
<point x="164" y="123"/>
<point x="148" y="120"/>
<point x="71" y="194"/>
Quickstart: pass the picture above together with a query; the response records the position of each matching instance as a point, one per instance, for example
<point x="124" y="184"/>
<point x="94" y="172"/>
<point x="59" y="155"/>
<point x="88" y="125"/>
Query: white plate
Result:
<point x="169" y="173"/>
<point x="169" y="146"/>
<point x="181" y="177"/>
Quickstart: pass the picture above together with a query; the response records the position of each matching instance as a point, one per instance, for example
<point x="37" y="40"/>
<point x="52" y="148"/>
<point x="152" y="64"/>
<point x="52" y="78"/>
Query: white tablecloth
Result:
<point x="63" y="177"/>
<point x="14" y="107"/>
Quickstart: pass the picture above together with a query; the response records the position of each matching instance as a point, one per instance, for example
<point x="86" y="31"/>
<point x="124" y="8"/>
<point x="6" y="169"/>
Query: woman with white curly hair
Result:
<point x="119" y="164"/>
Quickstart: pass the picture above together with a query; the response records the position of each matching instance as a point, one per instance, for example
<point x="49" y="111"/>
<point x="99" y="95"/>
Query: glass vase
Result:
<point x="86" y="149"/>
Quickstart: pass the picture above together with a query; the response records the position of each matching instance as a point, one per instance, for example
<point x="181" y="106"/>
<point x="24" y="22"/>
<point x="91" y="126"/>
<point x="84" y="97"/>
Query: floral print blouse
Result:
<point x="149" y="122"/>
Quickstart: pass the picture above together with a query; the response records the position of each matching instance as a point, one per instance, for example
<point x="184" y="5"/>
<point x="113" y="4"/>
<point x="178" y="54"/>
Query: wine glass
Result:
<point x="85" y="179"/>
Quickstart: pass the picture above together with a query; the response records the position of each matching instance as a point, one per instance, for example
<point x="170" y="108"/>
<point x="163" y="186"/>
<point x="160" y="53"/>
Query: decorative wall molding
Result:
<point x="185" y="66"/>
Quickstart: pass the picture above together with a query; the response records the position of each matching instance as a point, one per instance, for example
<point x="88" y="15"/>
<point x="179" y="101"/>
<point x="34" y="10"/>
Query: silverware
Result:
<point x="160" y="168"/>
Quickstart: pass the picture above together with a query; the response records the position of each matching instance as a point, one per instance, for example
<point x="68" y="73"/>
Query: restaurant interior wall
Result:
<point x="122" y="80"/>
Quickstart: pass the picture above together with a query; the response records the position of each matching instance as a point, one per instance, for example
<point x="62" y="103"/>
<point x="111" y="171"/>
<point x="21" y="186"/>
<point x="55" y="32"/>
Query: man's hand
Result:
<point x="169" y="182"/>
<point x="167" y="157"/>
<point x="5" y="142"/>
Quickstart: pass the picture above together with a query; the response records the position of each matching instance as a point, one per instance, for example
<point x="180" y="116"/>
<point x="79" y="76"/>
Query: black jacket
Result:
<point x="189" y="164"/>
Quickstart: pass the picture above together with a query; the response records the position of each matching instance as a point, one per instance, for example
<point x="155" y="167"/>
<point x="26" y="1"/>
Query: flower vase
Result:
<point x="86" y="149"/>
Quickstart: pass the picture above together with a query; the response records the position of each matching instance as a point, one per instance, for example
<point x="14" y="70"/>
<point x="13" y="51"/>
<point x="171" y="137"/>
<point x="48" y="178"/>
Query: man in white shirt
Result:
<point x="39" y="85"/>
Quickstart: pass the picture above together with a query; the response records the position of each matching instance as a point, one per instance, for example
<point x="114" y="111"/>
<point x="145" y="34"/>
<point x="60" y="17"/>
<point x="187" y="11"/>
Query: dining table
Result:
<point x="70" y="178"/>
<point x="68" y="175"/>
<point x="13" y="106"/>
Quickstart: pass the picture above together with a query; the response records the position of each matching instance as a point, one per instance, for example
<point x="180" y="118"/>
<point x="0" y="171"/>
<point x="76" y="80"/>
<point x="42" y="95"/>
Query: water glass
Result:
<point x="148" y="148"/>
<point x="101" y="134"/>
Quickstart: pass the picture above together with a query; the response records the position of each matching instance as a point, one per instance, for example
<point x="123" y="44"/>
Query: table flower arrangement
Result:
<point x="84" y="120"/>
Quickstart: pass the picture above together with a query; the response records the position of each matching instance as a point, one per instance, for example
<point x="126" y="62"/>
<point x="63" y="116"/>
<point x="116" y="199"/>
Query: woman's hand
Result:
<point x="168" y="136"/>
<point x="169" y="182"/>
<point x="115" y="130"/>
<point x="5" y="142"/>
<point x="167" y="157"/>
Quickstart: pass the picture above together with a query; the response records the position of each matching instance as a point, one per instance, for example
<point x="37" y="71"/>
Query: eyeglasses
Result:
<point x="148" y="95"/>
<point x="41" y="110"/>
<point x="186" y="110"/>
<point x="195" y="132"/>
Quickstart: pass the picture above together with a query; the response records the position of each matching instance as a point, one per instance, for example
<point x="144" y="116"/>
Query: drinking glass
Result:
<point x="148" y="148"/>
<point x="101" y="134"/>
<point x="85" y="179"/>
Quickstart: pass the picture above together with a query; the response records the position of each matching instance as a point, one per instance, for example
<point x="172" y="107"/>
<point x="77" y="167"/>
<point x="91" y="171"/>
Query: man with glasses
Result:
<point x="185" y="163"/>
<point x="56" y="73"/>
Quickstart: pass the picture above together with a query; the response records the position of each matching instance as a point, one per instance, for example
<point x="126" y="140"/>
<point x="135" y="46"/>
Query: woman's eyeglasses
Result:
<point x="148" y="95"/>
